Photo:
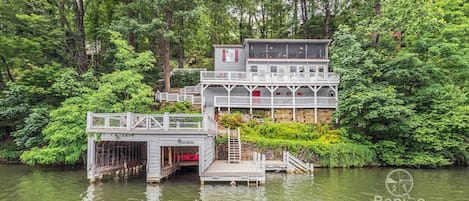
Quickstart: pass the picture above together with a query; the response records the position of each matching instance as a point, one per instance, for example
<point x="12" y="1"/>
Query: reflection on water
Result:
<point x="26" y="183"/>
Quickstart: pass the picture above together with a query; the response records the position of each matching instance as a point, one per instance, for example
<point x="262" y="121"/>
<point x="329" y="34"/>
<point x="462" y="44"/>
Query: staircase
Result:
<point x="234" y="146"/>
<point x="295" y="165"/>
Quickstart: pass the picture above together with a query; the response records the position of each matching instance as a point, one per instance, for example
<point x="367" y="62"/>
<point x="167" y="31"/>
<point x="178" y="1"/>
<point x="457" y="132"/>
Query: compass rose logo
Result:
<point x="399" y="183"/>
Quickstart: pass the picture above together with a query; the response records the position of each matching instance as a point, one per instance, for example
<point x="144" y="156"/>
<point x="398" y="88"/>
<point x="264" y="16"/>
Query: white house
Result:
<point x="285" y="79"/>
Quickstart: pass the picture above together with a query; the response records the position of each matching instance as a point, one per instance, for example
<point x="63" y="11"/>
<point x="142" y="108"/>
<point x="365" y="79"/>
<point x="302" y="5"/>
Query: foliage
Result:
<point x="314" y="143"/>
<point x="127" y="58"/>
<point x="181" y="79"/>
<point x="121" y="91"/>
<point x="232" y="121"/>
<point x="178" y="107"/>
<point x="30" y="135"/>
<point x="9" y="151"/>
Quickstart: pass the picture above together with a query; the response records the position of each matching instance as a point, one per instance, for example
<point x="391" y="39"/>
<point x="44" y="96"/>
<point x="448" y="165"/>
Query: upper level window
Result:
<point x="316" y="51"/>
<point x="292" y="69"/>
<point x="273" y="69"/>
<point x="230" y="55"/>
<point x="296" y="51"/>
<point x="257" y="50"/>
<point x="276" y="51"/>
<point x="253" y="68"/>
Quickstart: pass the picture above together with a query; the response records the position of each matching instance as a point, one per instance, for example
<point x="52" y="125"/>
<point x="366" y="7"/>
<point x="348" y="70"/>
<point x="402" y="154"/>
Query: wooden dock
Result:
<point x="244" y="171"/>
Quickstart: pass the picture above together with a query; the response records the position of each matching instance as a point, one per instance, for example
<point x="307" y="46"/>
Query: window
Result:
<point x="301" y="69"/>
<point x="257" y="50"/>
<point x="296" y="51"/>
<point x="292" y="69"/>
<point x="316" y="51"/>
<point x="312" y="69"/>
<point x="253" y="68"/>
<point x="321" y="69"/>
<point x="276" y="51"/>
<point x="273" y="69"/>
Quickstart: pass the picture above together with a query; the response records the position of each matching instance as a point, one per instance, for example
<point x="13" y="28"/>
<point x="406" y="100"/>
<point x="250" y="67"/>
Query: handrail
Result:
<point x="166" y="121"/>
<point x="295" y="163"/>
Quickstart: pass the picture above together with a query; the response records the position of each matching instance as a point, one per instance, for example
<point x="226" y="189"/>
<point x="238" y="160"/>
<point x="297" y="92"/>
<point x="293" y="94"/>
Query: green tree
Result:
<point x="121" y="91"/>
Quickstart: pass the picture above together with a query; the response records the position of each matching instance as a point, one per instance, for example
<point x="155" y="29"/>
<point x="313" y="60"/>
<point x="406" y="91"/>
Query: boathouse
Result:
<point x="160" y="143"/>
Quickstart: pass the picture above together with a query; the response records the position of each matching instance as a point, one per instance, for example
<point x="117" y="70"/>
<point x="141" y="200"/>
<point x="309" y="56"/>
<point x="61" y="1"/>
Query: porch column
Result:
<point x="293" y="89"/>
<point x="228" y="89"/>
<point x="250" y="88"/>
<point x="336" y="94"/>
<point x="202" y="99"/>
<point x="315" y="90"/>
<point x="272" y="90"/>
<point x="170" y="156"/>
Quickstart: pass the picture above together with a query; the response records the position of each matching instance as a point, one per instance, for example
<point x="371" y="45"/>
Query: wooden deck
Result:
<point x="275" y="165"/>
<point x="221" y="170"/>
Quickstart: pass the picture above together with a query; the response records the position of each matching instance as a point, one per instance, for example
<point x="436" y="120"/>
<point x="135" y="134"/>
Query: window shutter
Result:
<point x="223" y="55"/>
<point x="236" y="55"/>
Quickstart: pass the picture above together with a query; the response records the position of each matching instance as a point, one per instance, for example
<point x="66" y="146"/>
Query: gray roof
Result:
<point x="248" y="40"/>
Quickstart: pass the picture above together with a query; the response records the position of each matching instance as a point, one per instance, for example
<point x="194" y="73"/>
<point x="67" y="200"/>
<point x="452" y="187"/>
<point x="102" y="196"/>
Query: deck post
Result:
<point x="205" y="122"/>
<point x="293" y="89"/>
<point x="129" y="121"/>
<point x="89" y="119"/>
<point x="166" y="121"/>
<point x="90" y="165"/>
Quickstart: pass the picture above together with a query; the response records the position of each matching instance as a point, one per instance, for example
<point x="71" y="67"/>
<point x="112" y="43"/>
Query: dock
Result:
<point x="244" y="171"/>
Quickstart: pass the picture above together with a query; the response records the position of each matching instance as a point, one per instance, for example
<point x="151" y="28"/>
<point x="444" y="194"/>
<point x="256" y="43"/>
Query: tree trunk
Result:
<point x="181" y="43"/>
<point x="78" y="7"/>
<point x="327" y="20"/>
<point x="7" y="67"/>
<point x="263" y="27"/>
<point x="165" y="47"/>
<point x="375" y="35"/>
<point x="304" y="18"/>
<point x="240" y="25"/>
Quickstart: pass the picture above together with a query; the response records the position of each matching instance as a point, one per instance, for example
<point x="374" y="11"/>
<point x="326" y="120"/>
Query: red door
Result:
<point x="255" y="97"/>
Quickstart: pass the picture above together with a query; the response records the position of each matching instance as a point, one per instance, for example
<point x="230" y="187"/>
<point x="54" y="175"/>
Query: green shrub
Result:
<point x="181" y="79"/>
<point x="312" y="143"/>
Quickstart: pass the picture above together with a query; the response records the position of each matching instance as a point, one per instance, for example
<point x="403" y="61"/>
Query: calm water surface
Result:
<point x="26" y="183"/>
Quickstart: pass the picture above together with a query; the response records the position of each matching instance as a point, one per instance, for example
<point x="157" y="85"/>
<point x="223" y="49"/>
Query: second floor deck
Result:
<point x="231" y="77"/>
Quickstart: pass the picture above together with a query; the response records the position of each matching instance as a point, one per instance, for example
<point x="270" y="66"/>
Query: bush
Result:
<point x="313" y="143"/>
<point x="181" y="79"/>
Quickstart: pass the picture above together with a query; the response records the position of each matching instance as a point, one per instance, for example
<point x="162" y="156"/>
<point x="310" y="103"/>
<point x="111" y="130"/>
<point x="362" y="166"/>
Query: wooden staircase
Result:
<point x="234" y="146"/>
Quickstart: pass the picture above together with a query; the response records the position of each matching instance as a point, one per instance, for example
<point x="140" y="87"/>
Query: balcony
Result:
<point x="275" y="102"/>
<point x="228" y="77"/>
<point x="149" y="123"/>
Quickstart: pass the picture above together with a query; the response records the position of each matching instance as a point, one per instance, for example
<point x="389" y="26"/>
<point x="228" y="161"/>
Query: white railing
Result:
<point x="259" y="161"/>
<point x="190" y="90"/>
<point x="295" y="164"/>
<point x="175" y="97"/>
<point x="130" y="121"/>
<point x="187" y="70"/>
<point x="238" y="77"/>
<point x="244" y="101"/>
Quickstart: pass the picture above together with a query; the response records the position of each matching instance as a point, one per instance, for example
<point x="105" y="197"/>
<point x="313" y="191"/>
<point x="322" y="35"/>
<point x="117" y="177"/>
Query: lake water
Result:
<point x="19" y="182"/>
